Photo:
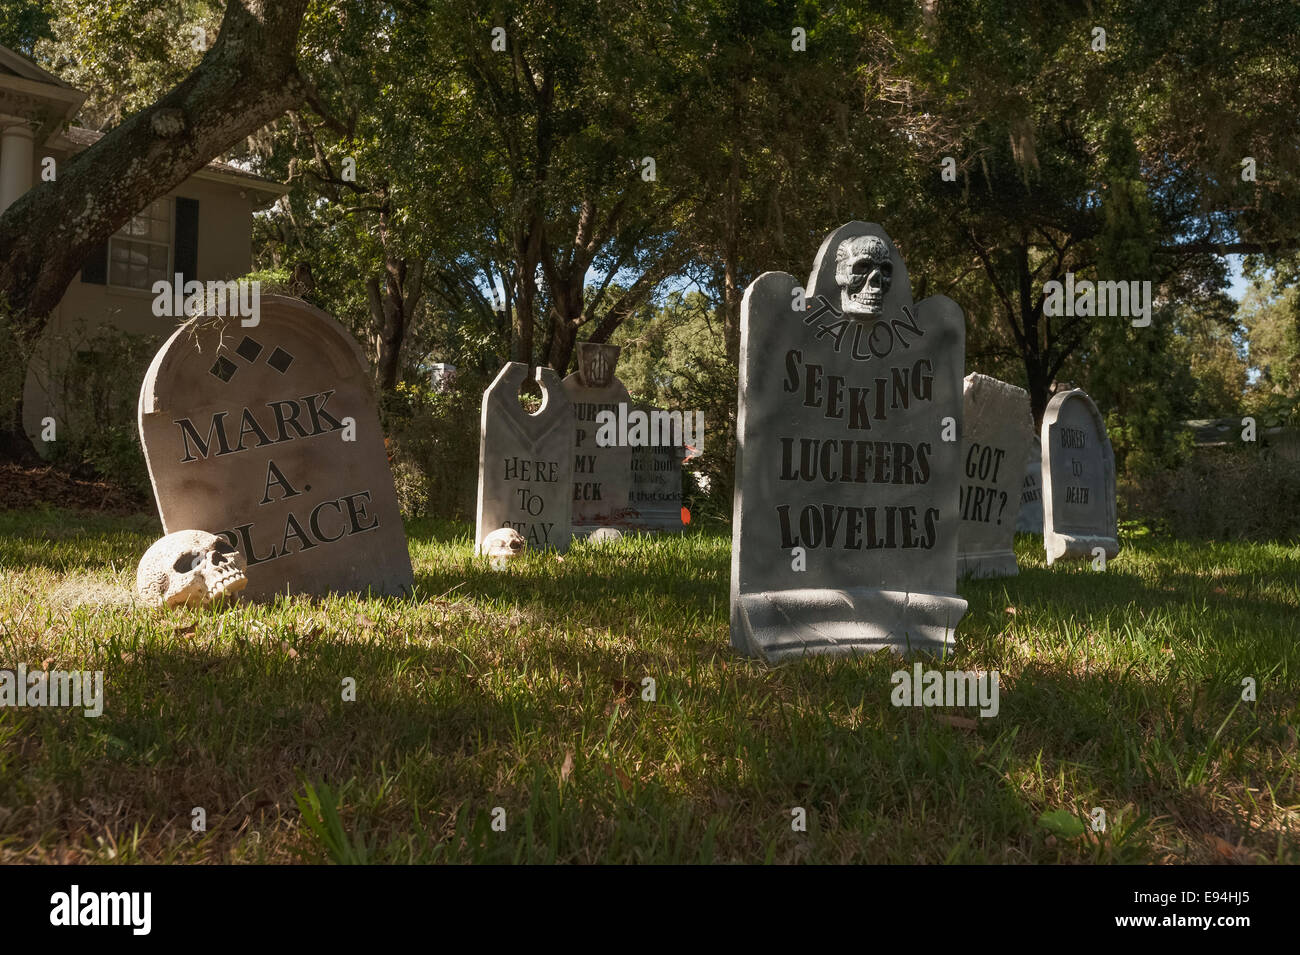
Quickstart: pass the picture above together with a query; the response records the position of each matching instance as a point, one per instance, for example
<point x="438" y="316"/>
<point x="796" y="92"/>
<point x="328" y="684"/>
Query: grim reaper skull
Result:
<point x="501" y="546"/>
<point x="596" y="363"/>
<point x="863" y="269"/>
<point x="189" y="568"/>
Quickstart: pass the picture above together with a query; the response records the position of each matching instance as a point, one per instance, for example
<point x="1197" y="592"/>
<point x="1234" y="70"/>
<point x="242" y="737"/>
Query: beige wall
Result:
<point x="224" y="252"/>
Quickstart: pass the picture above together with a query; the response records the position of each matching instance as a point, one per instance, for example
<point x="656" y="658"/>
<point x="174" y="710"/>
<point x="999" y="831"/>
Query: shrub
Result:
<point x="1248" y="493"/>
<point x="433" y="440"/>
<point x="100" y="391"/>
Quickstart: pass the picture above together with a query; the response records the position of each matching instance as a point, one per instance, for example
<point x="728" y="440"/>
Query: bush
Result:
<point x="100" y="392"/>
<point x="433" y="440"/>
<point x="1220" y="494"/>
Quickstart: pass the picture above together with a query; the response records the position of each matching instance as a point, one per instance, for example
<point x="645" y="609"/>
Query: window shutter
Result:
<point x="94" y="271"/>
<point x="185" y="256"/>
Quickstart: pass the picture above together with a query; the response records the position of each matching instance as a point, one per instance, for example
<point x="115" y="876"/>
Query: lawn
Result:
<point x="1120" y="690"/>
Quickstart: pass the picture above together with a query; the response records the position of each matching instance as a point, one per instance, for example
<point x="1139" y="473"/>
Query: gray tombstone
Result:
<point x="525" y="463"/>
<point x="845" y="517"/>
<point x="997" y="429"/>
<point x="1078" y="480"/>
<point x="655" y="497"/>
<point x="1030" y="518"/>
<point x="602" y="476"/>
<point x="269" y="436"/>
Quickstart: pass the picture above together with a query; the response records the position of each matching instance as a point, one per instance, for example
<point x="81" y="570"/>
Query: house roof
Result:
<point x="41" y="98"/>
<point x="27" y="90"/>
<point x="15" y="64"/>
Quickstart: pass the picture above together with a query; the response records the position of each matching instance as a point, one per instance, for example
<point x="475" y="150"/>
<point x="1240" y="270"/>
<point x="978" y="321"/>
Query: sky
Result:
<point x="1239" y="284"/>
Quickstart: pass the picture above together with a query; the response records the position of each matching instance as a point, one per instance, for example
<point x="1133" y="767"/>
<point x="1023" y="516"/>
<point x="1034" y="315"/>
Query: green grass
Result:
<point x="522" y="690"/>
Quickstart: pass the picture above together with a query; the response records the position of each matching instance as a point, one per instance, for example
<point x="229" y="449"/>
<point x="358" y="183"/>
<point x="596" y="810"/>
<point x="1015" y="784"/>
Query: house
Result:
<point x="203" y="230"/>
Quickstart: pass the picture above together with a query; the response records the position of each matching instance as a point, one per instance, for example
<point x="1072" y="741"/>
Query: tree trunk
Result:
<point x="1040" y="390"/>
<point x="563" y="344"/>
<point x="732" y="294"/>
<point x="248" y="78"/>
<point x="528" y="246"/>
<point x="1037" y="367"/>
<point x="569" y="302"/>
<point x="390" y="314"/>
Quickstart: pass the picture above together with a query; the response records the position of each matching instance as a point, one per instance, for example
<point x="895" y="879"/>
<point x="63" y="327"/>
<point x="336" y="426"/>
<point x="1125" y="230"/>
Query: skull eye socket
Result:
<point x="866" y="267"/>
<point x="187" y="562"/>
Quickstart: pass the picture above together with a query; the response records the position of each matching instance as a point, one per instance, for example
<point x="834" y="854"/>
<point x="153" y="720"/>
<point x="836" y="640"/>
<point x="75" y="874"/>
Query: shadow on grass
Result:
<point x="420" y="762"/>
<point x="457" y="714"/>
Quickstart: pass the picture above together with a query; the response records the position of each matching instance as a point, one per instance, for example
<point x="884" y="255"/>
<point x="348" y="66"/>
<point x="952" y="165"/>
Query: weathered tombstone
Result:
<point x="997" y="429"/>
<point x="845" y="517"/>
<point x="1078" y="480"/>
<point x="602" y="476"/>
<point x="269" y="437"/>
<point x="1030" y="518"/>
<point x="525" y="462"/>
<point x="655" y="497"/>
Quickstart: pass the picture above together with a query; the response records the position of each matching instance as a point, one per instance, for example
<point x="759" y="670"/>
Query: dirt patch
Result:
<point x="24" y="487"/>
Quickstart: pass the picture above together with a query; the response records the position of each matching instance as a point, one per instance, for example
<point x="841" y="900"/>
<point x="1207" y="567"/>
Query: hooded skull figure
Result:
<point x="501" y="546"/>
<point x="596" y="363"/>
<point x="189" y="568"/>
<point x="863" y="269"/>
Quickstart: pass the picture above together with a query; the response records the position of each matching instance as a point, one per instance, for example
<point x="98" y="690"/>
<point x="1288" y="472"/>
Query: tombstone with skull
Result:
<point x="841" y="544"/>
<point x="602" y="474"/>
<point x="189" y="568"/>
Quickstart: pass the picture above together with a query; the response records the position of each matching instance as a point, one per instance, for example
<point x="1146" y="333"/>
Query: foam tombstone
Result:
<point x="525" y="473"/>
<point x="845" y="514"/>
<point x="1030" y="518"/>
<point x="654" y="502"/>
<point x="997" y="431"/>
<point x="269" y="437"/>
<point x="602" y="474"/>
<point x="1078" y="480"/>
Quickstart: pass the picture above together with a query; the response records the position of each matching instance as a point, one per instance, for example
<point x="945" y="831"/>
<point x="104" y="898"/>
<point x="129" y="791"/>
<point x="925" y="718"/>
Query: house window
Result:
<point x="139" y="253"/>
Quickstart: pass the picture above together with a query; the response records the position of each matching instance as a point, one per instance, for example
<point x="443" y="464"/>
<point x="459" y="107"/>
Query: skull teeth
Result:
<point x="227" y="581"/>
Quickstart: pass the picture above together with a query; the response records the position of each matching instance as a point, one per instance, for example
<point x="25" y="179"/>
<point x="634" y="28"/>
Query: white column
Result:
<point x="16" y="156"/>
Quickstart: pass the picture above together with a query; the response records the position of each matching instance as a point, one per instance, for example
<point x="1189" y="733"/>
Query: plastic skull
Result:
<point x="501" y="546"/>
<point x="863" y="269"/>
<point x="189" y="568"/>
